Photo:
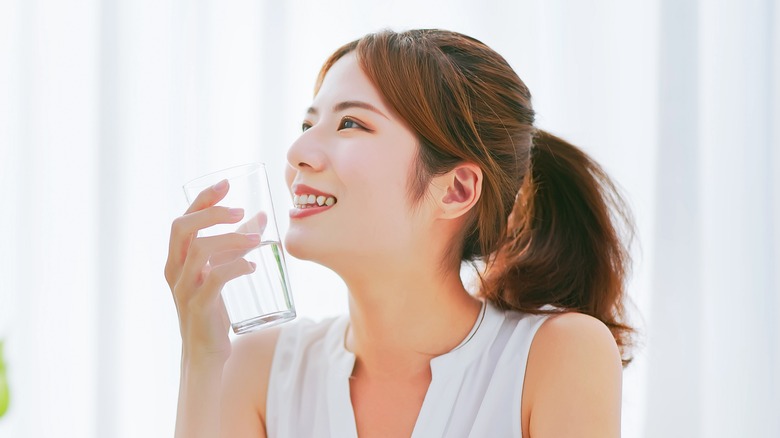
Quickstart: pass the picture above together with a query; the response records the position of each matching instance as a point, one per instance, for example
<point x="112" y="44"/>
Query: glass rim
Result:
<point x="230" y="173"/>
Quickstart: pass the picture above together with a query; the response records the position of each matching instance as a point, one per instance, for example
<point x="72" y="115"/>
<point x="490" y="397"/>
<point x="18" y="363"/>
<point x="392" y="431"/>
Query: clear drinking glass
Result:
<point x="262" y="298"/>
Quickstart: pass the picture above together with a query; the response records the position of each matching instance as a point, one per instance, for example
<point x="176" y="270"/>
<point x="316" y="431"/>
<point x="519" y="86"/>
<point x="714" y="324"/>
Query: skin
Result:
<point x="407" y="303"/>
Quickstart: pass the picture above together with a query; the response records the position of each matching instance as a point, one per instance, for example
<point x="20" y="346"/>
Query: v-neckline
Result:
<point x="440" y="395"/>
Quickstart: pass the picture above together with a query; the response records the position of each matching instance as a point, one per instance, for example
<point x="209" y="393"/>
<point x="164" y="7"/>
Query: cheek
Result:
<point x="381" y="206"/>
<point x="385" y="168"/>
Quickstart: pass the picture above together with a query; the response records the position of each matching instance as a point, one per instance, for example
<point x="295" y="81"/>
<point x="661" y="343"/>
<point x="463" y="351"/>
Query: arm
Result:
<point x="222" y="386"/>
<point x="245" y="385"/>
<point x="200" y="396"/>
<point x="227" y="399"/>
<point x="573" y="380"/>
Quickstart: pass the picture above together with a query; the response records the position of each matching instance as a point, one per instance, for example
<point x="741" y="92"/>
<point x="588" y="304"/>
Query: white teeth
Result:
<point x="303" y="201"/>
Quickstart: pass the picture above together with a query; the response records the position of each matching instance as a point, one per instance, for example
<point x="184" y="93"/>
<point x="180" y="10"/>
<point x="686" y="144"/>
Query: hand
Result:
<point x="198" y="268"/>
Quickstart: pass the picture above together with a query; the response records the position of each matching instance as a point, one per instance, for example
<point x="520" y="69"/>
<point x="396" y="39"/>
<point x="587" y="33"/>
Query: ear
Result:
<point x="458" y="190"/>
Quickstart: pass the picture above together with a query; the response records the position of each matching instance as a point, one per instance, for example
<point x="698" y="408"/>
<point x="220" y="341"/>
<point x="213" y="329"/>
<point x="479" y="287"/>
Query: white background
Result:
<point x="106" y="108"/>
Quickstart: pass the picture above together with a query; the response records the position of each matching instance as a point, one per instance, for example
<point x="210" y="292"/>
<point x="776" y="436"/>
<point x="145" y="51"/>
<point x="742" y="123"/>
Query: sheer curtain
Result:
<point x="714" y="353"/>
<point x="107" y="107"/>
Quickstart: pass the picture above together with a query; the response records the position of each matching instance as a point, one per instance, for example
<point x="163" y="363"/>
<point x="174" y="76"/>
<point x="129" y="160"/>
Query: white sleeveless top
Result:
<point x="475" y="390"/>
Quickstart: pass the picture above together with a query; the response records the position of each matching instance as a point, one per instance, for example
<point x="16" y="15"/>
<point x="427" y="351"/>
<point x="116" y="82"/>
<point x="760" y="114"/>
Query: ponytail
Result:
<point x="564" y="245"/>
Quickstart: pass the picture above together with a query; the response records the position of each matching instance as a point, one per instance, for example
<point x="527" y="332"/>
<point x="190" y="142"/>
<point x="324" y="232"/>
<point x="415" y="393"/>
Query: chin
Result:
<point x="295" y="246"/>
<point x="324" y="253"/>
<point x="303" y="248"/>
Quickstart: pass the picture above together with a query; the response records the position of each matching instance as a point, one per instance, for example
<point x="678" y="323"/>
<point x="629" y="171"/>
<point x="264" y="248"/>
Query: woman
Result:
<point x="425" y="141"/>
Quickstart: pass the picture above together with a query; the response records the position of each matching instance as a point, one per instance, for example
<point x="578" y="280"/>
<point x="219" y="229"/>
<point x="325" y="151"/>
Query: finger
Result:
<point x="185" y="228"/>
<point x="179" y="242"/>
<point x="209" y="196"/>
<point x="203" y="248"/>
<point x="221" y="258"/>
<point x="220" y="275"/>
<point x="254" y="225"/>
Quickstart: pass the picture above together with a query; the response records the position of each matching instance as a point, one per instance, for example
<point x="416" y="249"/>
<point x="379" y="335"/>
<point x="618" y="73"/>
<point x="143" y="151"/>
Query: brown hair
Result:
<point x="548" y="223"/>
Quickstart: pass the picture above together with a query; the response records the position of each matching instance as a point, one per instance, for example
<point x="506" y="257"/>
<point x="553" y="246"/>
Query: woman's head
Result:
<point x="464" y="104"/>
<point x="540" y="211"/>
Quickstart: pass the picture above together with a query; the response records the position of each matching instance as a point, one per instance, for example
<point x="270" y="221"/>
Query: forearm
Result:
<point x="200" y="388"/>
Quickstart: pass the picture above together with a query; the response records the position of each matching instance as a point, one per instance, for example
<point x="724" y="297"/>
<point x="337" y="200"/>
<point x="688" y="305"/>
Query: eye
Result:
<point x="305" y="126"/>
<point x="347" y="123"/>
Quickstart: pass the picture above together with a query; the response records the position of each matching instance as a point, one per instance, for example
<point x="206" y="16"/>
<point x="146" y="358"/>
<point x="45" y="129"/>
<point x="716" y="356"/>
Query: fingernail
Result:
<point x="220" y="185"/>
<point x="253" y="265"/>
<point x="254" y="238"/>
<point x="236" y="213"/>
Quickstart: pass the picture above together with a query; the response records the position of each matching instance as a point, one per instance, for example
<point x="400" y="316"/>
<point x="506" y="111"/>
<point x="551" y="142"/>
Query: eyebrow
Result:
<point x="341" y="106"/>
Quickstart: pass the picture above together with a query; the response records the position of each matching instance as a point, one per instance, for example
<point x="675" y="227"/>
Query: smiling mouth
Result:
<point x="304" y="201"/>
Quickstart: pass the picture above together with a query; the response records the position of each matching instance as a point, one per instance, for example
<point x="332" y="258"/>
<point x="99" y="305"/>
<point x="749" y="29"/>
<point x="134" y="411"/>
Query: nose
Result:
<point x="306" y="153"/>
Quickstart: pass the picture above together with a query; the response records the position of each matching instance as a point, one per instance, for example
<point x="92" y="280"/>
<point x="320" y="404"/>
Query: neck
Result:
<point x="400" y="320"/>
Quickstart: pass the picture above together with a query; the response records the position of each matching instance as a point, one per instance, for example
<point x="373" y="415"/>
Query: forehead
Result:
<point x="346" y="81"/>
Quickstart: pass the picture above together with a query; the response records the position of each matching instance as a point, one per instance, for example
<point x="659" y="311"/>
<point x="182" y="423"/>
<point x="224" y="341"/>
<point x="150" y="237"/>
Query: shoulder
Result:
<point x="574" y="372"/>
<point x="247" y="372"/>
<point x="573" y="346"/>
<point x="253" y="354"/>
<point x="576" y="335"/>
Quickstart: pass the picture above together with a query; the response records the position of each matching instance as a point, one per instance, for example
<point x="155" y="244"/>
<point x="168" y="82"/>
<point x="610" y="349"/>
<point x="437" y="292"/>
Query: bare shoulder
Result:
<point x="257" y="345"/>
<point x="575" y="333"/>
<point x="573" y="379"/>
<point x="245" y="381"/>
<point x="251" y="361"/>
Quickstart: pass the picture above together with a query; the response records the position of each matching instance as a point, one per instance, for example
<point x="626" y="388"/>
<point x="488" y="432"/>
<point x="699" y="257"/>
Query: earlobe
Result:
<point x="463" y="186"/>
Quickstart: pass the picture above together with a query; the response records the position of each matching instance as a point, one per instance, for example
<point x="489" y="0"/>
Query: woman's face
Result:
<point x="353" y="160"/>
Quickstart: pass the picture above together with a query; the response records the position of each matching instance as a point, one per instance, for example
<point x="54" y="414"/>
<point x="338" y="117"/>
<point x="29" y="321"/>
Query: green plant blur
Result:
<point x="4" y="393"/>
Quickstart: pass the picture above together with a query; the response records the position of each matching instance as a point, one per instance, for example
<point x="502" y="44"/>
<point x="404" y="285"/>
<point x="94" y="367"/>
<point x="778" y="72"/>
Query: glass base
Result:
<point x="265" y="321"/>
